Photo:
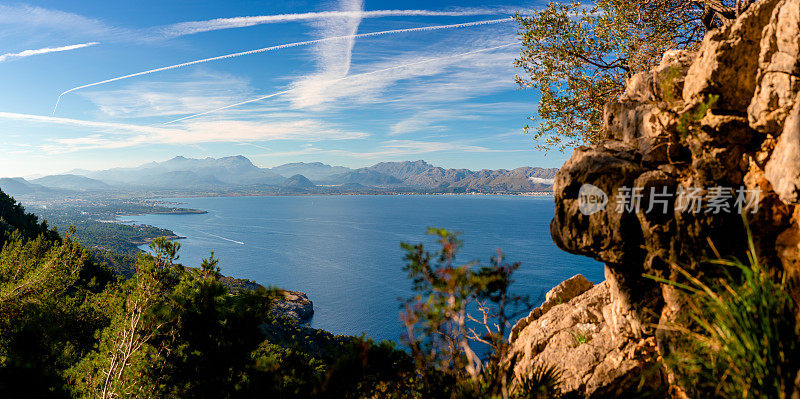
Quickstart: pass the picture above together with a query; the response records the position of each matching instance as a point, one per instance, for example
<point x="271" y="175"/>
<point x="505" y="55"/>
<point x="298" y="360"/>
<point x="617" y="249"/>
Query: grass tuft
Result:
<point x="740" y="339"/>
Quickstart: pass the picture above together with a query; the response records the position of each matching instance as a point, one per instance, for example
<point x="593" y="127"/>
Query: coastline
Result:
<point x="190" y="211"/>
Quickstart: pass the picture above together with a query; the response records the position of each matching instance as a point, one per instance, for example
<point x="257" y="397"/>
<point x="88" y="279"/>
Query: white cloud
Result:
<point x="188" y="28"/>
<point x="540" y="180"/>
<point x="425" y="121"/>
<point x="103" y="126"/>
<point x="360" y="83"/>
<point x="121" y="135"/>
<point x="28" y="53"/>
<point x="197" y="93"/>
<point x="333" y="58"/>
<point x="31" y="25"/>
<point x="43" y="18"/>
<point x="392" y="149"/>
<point x="446" y="72"/>
<point x="410" y="147"/>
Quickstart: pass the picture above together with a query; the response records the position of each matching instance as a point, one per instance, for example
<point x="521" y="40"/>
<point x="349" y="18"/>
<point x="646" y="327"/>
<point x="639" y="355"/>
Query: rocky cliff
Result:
<point x="688" y="145"/>
<point x="294" y="305"/>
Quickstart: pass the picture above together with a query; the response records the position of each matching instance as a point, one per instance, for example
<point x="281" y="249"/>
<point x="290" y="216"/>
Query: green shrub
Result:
<point x="740" y="337"/>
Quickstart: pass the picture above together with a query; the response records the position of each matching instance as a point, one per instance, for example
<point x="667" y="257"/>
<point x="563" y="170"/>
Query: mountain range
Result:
<point x="239" y="173"/>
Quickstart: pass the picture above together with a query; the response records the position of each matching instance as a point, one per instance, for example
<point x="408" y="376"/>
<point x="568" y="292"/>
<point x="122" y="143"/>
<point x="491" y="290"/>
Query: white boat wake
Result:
<point x="223" y="238"/>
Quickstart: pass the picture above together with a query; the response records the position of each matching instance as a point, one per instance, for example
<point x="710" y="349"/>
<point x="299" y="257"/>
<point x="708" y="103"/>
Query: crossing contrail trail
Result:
<point x="278" y="47"/>
<point x="340" y="79"/>
<point x="188" y="28"/>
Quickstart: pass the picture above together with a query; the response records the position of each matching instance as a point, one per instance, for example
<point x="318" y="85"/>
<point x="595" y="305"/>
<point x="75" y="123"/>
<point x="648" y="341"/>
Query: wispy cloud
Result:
<point x="413" y="147"/>
<point x="433" y="83"/>
<point x="121" y="135"/>
<point x="425" y="120"/>
<point x="391" y="149"/>
<point x="540" y="180"/>
<point x="333" y="58"/>
<point x="351" y="13"/>
<point x="197" y="92"/>
<point x="104" y="126"/>
<point x="277" y="47"/>
<point x="43" y="18"/>
<point x="46" y="50"/>
<point x="352" y="79"/>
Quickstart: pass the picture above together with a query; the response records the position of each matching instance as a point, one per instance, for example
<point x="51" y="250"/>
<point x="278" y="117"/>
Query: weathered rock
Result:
<point x="783" y="168"/>
<point x="561" y="293"/>
<point x="584" y="339"/>
<point x="664" y="136"/>
<point x="727" y="63"/>
<point x="294" y="305"/>
<point x="606" y="236"/>
<point x="778" y="77"/>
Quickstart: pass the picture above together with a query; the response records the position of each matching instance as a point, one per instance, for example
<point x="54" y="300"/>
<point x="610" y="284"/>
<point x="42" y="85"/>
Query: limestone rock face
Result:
<point x="561" y="293"/>
<point x="783" y="167"/>
<point x="584" y="338"/>
<point x="724" y="118"/>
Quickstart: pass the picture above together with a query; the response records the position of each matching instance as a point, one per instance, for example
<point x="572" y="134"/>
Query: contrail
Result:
<point x="28" y="53"/>
<point x="188" y="28"/>
<point x="278" y="47"/>
<point x="340" y="79"/>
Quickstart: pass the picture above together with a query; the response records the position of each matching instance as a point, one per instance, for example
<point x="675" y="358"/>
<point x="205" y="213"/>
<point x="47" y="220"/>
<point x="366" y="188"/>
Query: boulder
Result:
<point x="585" y="339"/>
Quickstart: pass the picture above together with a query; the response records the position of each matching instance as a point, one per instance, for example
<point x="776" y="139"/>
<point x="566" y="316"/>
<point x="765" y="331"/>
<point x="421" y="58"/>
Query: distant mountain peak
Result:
<point x="313" y="170"/>
<point x="299" y="181"/>
<point x="237" y="172"/>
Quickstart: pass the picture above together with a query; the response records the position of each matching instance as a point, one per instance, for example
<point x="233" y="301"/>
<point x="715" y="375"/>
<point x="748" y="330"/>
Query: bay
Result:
<point x="344" y="251"/>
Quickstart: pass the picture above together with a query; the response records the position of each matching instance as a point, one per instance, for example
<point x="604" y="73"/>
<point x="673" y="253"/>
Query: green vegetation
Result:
<point x="14" y="218"/>
<point x="695" y="115"/>
<point x="579" y="56"/>
<point x="740" y="336"/>
<point x="579" y="337"/>
<point x="456" y="310"/>
<point x="72" y="327"/>
<point x="95" y="220"/>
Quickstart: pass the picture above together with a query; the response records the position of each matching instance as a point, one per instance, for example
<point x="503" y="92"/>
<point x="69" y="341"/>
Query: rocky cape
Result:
<point x="727" y="115"/>
<point x="294" y="305"/>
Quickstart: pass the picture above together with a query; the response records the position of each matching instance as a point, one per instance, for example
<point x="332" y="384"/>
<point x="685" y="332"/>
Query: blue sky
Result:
<point x="445" y="95"/>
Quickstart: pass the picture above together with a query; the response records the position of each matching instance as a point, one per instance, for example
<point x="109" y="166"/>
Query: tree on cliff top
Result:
<point x="579" y="56"/>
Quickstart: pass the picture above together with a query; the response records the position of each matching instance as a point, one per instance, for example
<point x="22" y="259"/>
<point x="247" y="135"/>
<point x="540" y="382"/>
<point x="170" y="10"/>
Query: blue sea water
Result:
<point x="344" y="250"/>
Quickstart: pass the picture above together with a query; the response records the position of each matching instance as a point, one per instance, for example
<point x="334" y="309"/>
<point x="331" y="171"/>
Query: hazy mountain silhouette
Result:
<point x="71" y="182"/>
<point x="312" y="170"/>
<point x="238" y="172"/>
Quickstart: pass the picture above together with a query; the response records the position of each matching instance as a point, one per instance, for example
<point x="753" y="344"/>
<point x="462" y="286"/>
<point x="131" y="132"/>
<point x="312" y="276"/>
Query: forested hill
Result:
<point x="71" y="328"/>
<point x="13" y="218"/>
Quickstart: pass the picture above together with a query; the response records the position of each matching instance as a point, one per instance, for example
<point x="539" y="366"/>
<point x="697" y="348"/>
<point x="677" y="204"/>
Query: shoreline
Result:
<point x="192" y="211"/>
<point x="237" y="195"/>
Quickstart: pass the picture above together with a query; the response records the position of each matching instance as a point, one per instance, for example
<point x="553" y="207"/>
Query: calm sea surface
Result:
<point x="344" y="250"/>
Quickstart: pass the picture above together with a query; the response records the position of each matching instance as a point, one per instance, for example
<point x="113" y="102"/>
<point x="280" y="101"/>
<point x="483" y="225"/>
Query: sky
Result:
<point x="445" y="94"/>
